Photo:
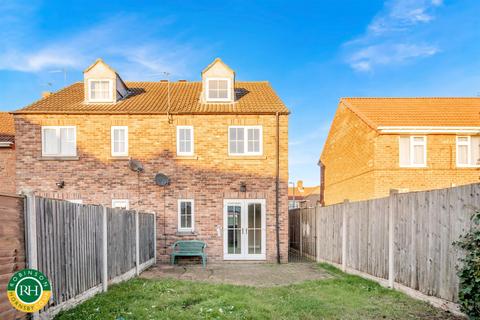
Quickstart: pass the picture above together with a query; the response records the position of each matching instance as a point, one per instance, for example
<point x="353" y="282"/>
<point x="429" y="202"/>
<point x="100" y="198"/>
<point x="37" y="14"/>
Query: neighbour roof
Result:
<point x="300" y="193"/>
<point x="416" y="112"/>
<point x="7" y="127"/>
<point x="152" y="98"/>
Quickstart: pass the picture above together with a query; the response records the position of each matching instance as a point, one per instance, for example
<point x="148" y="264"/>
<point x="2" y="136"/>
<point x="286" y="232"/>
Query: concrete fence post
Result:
<point x="344" y="235"/>
<point x="391" y="237"/>
<point x="104" y="250"/>
<point x="31" y="236"/>
<point x="155" y="236"/>
<point x="137" y="244"/>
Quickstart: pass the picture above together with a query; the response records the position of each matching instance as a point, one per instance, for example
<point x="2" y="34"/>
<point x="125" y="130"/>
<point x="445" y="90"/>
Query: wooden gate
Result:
<point x="302" y="235"/>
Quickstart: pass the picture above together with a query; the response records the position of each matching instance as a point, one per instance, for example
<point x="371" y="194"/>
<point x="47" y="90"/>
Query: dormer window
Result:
<point x="100" y="90"/>
<point x="218" y="89"/>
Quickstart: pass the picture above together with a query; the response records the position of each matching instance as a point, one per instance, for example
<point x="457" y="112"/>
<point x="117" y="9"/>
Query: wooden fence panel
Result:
<point x="425" y="225"/>
<point x="121" y="241"/>
<point x="12" y="248"/>
<point x="147" y="236"/>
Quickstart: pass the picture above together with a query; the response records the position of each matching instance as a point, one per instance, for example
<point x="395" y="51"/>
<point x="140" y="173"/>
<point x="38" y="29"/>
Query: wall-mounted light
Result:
<point x="243" y="187"/>
<point x="60" y="184"/>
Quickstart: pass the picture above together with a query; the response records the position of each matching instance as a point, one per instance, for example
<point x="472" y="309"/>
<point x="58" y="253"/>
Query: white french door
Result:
<point x="244" y="229"/>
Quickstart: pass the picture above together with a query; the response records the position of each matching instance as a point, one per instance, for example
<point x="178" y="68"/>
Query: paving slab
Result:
<point x="249" y="274"/>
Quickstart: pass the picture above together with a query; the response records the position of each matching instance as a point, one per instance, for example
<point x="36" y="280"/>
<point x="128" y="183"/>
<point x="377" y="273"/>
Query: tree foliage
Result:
<point x="469" y="270"/>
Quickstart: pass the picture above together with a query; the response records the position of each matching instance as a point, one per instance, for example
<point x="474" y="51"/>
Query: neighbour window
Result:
<point x="59" y="141"/>
<point x="100" y="90"/>
<point x="246" y="140"/>
<point x="77" y="201"/>
<point x="413" y="151"/>
<point x="119" y="141"/>
<point x="468" y="151"/>
<point x="185" y="215"/>
<point x="120" y="203"/>
<point x="185" y="140"/>
<point x="218" y="89"/>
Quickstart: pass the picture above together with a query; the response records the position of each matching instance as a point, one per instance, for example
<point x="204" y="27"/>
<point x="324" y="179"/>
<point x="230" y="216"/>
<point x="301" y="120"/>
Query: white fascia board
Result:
<point x="427" y="130"/>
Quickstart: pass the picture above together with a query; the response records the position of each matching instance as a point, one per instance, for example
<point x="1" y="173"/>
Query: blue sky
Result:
<point x="313" y="53"/>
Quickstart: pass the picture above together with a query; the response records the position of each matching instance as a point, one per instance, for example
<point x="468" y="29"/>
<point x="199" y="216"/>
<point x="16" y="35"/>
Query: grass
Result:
<point x="340" y="297"/>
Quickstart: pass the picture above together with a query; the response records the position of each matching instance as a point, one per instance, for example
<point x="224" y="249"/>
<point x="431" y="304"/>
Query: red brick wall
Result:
<point x="209" y="177"/>
<point x="7" y="170"/>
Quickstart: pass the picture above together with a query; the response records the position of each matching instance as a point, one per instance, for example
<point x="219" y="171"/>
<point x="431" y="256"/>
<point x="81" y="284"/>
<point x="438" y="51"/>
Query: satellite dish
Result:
<point x="135" y="165"/>
<point x="162" y="180"/>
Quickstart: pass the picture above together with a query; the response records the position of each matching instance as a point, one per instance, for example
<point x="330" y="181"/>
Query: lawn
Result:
<point x="340" y="297"/>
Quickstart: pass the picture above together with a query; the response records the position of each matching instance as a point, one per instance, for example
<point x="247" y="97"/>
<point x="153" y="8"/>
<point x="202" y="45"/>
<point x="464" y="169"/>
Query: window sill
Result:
<point x="186" y="233"/>
<point x="180" y="157"/>
<point x="245" y="157"/>
<point x="119" y="158"/>
<point x="59" y="158"/>
<point x="413" y="167"/>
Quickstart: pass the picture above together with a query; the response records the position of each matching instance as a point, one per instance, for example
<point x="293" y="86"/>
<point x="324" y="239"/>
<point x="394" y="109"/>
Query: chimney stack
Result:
<point x="46" y="94"/>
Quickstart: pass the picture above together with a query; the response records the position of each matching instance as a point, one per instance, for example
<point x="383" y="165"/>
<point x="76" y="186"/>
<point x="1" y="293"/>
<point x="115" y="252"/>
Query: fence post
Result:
<point x="104" y="250"/>
<point x="155" y="237"/>
<point x="391" y="238"/>
<point x="137" y="245"/>
<point x="31" y="236"/>
<point x="301" y="230"/>
<point x="344" y="235"/>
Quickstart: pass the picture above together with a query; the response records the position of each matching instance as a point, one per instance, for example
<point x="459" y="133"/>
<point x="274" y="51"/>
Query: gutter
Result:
<point x="277" y="186"/>
<point x="428" y="129"/>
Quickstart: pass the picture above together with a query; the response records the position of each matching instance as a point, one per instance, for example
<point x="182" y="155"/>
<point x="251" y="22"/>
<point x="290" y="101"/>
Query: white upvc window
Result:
<point x="76" y="201"/>
<point x="245" y="140"/>
<point x="119" y="136"/>
<point x="100" y="90"/>
<point x="413" y="151"/>
<point x="219" y="89"/>
<point x="186" y="215"/>
<point x="120" y="203"/>
<point x="59" y="141"/>
<point x="468" y="151"/>
<point x="185" y="141"/>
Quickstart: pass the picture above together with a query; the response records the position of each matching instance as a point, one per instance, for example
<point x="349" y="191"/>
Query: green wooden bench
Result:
<point x="189" y="248"/>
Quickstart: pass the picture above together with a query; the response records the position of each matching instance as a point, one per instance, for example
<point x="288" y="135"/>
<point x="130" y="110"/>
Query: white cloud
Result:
<point x="133" y="51"/>
<point x="393" y="36"/>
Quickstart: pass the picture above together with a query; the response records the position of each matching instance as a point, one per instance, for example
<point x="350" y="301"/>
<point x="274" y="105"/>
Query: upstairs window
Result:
<point x="185" y="140"/>
<point x="185" y="215"/>
<point x="218" y="89"/>
<point x="59" y="141"/>
<point x="100" y="90"/>
<point x="468" y="151"/>
<point x="413" y="151"/>
<point x="120" y="203"/>
<point x="245" y="140"/>
<point x="119" y="141"/>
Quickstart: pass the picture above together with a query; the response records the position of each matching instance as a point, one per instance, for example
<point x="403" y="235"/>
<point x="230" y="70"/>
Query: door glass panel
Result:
<point x="254" y="228"/>
<point x="234" y="235"/>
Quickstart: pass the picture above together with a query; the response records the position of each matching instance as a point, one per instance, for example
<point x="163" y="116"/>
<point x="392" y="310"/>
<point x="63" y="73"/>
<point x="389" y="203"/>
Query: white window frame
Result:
<point x="411" y="147"/>
<point x="119" y="154"/>
<point x="110" y="90"/>
<point x="469" y="153"/>
<point x="76" y="201"/>
<point x="229" y="90"/>
<point x="245" y="141"/>
<point x="116" y="202"/>
<point x="192" y="152"/>
<point x="57" y="129"/>
<point x="179" y="209"/>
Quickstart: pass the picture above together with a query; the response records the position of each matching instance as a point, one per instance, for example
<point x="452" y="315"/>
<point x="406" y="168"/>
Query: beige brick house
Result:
<point x="7" y="153"/>
<point x="408" y="144"/>
<point x="222" y="143"/>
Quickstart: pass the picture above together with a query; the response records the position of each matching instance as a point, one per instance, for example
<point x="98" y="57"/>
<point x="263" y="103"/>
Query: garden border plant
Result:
<point x="469" y="270"/>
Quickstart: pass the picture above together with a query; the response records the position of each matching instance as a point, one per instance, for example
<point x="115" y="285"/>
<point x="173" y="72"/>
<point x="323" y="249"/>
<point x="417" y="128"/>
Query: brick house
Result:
<point x="300" y="196"/>
<point x="222" y="143"/>
<point x="408" y="144"/>
<point x="7" y="153"/>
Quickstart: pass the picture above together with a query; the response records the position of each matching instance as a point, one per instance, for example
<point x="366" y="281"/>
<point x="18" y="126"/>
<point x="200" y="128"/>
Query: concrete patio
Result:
<point x="249" y="274"/>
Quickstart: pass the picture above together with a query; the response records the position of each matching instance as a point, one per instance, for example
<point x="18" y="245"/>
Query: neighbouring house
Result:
<point x="303" y="197"/>
<point x="7" y="153"/>
<point x="222" y="144"/>
<point x="376" y="145"/>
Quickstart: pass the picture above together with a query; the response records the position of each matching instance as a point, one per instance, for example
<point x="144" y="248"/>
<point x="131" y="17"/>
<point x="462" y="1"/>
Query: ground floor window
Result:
<point x="120" y="203"/>
<point x="185" y="215"/>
